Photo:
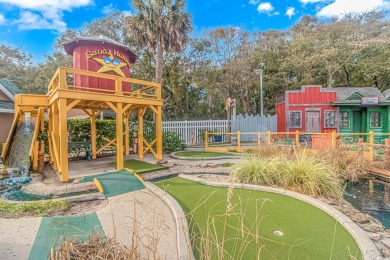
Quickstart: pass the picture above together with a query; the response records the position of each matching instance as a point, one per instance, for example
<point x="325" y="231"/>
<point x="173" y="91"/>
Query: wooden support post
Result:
<point x="140" y="134"/>
<point x="93" y="134"/>
<point x="159" y="134"/>
<point x="297" y="138"/>
<point x="55" y="132"/>
<point x="63" y="139"/>
<point x="360" y="146"/>
<point x="206" y="141"/>
<point x="334" y="136"/>
<point x="387" y="149"/>
<point x="119" y="138"/>
<point x="127" y="136"/>
<point x="258" y="140"/>
<point x="268" y="137"/>
<point x="371" y="148"/>
<point x="238" y="141"/>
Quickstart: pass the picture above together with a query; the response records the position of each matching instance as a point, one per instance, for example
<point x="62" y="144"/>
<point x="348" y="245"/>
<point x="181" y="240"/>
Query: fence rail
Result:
<point x="377" y="148"/>
<point x="193" y="131"/>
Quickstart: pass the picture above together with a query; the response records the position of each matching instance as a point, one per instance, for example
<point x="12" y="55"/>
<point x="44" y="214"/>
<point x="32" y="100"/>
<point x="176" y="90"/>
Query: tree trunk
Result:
<point x="159" y="65"/>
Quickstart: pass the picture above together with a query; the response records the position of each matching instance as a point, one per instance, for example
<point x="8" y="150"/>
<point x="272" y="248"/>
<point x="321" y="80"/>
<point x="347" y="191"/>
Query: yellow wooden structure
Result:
<point x="61" y="97"/>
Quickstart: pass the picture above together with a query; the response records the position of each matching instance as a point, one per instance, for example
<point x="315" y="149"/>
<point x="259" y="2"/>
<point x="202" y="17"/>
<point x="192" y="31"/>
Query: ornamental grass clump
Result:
<point x="301" y="172"/>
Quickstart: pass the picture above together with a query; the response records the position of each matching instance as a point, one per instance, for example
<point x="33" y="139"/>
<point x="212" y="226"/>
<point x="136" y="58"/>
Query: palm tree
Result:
<point x="162" y="25"/>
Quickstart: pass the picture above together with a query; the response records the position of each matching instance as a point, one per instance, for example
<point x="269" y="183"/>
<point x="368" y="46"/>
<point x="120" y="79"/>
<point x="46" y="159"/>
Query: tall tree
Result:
<point x="162" y="25"/>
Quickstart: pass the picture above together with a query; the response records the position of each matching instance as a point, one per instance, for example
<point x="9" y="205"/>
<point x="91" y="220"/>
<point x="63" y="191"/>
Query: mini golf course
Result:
<point x="258" y="225"/>
<point x="194" y="154"/>
<point x="141" y="167"/>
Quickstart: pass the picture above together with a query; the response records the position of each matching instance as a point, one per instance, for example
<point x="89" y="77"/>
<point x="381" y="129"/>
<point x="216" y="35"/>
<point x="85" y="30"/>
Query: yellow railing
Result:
<point x="59" y="82"/>
<point x="332" y="139"/>
<point x="7" y="143"/>
<point x="33" y="153"/>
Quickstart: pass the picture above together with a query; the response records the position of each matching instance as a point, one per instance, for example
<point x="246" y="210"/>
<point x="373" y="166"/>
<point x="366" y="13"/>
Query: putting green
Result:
<point x="141" y="167"/>
<point x="202" y="154"/>
<point x="308" y="232"/>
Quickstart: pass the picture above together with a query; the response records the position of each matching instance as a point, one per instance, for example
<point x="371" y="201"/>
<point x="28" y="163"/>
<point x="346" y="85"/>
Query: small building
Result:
<point x="7" y="97"/>
<point x="316" y="109"/>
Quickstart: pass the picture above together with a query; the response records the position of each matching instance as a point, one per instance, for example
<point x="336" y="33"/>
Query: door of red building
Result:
<point x="313" y="122"/>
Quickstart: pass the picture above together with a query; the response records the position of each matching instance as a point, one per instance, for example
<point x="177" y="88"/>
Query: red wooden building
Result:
<point x="307" y="110"/>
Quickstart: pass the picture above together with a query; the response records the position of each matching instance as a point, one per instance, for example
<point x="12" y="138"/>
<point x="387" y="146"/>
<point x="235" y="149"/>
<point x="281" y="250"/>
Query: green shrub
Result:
<point x="302" y="173"/>
<point x="172" y="142"/>
<point x="80" y="130"/>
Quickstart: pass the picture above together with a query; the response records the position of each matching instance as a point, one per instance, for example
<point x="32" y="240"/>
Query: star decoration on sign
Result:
<point x="111" y="64"/>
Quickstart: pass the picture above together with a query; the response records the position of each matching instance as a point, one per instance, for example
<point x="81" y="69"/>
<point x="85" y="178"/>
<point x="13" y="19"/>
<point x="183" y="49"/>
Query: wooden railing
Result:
<point x="33" y="153"/>
<point x="11" y="132"/>
<point x="59" y="81"/>
<point x="333" y="139"/>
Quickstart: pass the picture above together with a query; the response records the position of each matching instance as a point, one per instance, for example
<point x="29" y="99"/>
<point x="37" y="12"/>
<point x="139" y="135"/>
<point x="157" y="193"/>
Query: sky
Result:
<point x="35" y="24"/>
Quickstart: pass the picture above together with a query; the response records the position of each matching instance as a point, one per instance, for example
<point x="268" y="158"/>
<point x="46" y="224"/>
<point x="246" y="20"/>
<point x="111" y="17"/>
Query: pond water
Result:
<point x="371" y="197"/>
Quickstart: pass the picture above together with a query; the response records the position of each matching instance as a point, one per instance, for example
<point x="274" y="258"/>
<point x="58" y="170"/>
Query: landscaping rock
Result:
<point x="386" y="242"/>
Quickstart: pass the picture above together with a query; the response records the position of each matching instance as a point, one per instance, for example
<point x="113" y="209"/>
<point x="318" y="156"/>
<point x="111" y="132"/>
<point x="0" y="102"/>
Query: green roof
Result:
<point x="10" y="86"/>
<point x="6" y="105"/>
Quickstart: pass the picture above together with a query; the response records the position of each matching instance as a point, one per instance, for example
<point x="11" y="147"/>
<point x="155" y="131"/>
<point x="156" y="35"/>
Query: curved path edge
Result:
<point x="367" y="247"/>
<point x="233" y="156"/>
<point x="183" y="237"/>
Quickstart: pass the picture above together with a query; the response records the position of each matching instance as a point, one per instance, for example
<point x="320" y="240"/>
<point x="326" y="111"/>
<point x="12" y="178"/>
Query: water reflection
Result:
<point x="371" y="197"/>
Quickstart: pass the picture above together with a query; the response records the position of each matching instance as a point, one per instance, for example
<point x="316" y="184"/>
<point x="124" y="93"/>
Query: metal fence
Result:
<point x="193" y="131"/>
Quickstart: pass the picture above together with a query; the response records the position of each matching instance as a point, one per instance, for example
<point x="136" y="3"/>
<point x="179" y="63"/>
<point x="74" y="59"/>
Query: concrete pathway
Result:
<point x="138" y="215"/>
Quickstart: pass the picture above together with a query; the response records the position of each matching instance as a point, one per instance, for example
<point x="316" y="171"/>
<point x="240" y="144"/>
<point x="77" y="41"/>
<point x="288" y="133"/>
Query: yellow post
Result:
<point x="334" y="139"/>
<point x="118" y="86"/>
<point x="371" y="148"/>
<point x="140" y="134"/>
<point x="62" y="78"/>
<point x="297" y="138"/>
<point x="35" y="155"/>
<point x="206" y="141"/>
<point x="63" y="138"/>
<point x="238" y="141"/>
<point x="42" y="128"/>
<point x="159" y="133"/>
<point x="127" y="137"/>
<point x="268" y="137"/>
<point x="119" y="137"/>
<point x="93" y="134"/>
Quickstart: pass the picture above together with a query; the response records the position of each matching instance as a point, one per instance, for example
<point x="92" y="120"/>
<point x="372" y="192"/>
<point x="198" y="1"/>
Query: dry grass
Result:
<point x="144" y="242"/>
<point x="349" y="166"/>
<point x="96" y="247"/>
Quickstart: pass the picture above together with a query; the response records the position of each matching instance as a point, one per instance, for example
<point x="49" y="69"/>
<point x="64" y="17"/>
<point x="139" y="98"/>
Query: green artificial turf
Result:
<point x="308" y="232"/>
<point x="55" y="231"/>
<point x="141" y="167"/>
<point x="201" y="154"/>
<point x="116" y="183"/>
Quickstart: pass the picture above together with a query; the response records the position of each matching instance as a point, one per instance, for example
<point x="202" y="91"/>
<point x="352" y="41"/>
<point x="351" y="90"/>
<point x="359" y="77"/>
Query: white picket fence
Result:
<point x="191" y="131"/>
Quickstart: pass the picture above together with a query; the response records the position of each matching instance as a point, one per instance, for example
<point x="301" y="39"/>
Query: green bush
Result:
<point x="80" y="130"/>
<point x="302" y="173"/>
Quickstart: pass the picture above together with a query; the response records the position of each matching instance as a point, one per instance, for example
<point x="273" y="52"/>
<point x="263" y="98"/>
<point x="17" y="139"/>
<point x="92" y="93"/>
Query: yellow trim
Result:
<point x="135" y="174"/>
<point x="98" y="185"/>
<point x="139" y="177"/>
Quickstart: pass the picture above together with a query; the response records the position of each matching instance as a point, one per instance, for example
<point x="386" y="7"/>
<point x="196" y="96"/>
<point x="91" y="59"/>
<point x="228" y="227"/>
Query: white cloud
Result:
<point x="253" y="2"/>
<point x="44" y="14"/>
<point x="310" y="1"/>
<point x="343" y="7"/>
<point x="265" y="7"/>
<point x="2" y="19"/>
<point x="290" y="12"/>
<point x="108" y="9"/>
<point x="127" y="13"/>
<point x="32" y="21"/>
